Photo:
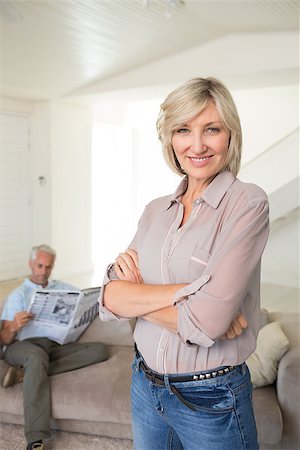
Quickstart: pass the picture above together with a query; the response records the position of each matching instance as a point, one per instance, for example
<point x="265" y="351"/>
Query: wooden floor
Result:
<point x="273" y="297"/>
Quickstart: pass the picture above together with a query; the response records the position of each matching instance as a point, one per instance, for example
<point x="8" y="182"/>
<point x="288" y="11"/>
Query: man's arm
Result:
<point x="11" y="327"/>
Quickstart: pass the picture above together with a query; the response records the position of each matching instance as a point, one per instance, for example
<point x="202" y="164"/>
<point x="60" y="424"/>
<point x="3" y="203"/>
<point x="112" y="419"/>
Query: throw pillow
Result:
<point x="272" y="344"/>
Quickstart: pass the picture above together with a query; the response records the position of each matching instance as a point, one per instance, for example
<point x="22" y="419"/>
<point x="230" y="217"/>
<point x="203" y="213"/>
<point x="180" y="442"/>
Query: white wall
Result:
<point x="281" y="257"/>
<point x="71" y="128"/>
<point x="40" y="166"/>
<point x="267" y="115"/>
<point x="60" y="202"/>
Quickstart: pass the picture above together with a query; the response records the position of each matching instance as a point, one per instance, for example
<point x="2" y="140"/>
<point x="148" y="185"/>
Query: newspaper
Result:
<point x="60" y="315"/>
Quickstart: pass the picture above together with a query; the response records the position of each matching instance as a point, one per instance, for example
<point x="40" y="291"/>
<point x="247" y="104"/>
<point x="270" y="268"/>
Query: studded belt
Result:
<point x="159" y="379"/>
<point x="185" y="378"/>
<point x="205" y="375"/>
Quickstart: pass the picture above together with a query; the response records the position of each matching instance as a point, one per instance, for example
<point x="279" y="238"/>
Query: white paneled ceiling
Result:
<point x="50" y="48"/>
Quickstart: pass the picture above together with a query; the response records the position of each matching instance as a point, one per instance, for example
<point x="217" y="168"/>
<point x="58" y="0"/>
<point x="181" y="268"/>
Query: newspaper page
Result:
<point x="86" y="311"/>
<point x="60" y="315"/>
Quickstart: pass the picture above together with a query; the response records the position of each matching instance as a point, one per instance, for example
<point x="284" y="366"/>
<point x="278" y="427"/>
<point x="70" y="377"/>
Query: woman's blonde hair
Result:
<point x="185" y="103"/>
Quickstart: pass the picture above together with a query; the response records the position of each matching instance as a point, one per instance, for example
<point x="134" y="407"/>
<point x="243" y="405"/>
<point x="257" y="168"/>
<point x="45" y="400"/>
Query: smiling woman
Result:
<point x="191" y="277"/>
<point x="201" y="147"/>
<point x="201" y="150"/>
<point x="183" y="107"/>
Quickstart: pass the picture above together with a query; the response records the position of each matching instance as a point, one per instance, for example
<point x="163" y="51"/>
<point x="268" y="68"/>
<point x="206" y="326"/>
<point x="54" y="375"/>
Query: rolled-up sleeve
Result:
<point x="104" y="313"/>
<point x="207" y="306"/>
<point x="110" y="275"/>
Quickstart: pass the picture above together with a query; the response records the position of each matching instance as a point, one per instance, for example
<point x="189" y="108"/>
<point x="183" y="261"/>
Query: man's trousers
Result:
<point x="41" y="358"/>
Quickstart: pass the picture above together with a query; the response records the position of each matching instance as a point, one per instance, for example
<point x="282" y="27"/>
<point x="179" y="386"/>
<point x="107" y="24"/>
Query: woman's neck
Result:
<point x="195" y="188"/>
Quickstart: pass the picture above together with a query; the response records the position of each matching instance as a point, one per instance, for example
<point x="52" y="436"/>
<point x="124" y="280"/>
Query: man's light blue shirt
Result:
<point x="19" y="299"/>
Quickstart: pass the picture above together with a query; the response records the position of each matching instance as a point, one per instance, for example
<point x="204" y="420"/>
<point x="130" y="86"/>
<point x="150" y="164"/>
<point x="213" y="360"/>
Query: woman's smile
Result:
<point x="201" y="145"/>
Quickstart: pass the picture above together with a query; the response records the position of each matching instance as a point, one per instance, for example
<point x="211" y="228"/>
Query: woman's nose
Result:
<point x="198" y="144"/>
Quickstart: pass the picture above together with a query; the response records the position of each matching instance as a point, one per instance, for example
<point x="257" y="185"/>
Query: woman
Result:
<point x="191" y="276"/>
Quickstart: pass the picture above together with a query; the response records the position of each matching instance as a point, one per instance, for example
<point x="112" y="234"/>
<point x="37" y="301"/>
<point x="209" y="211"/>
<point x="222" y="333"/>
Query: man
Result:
<point x="37" y="358"/>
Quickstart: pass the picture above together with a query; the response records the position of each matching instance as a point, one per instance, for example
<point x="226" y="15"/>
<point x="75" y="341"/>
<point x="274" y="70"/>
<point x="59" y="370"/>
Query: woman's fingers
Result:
<point x="230" y="333"/>
<point x="242" y="320"/>
<point x="118" y="270"/>
<point x="126" y="269"/>
<point x="126" y="259"/>
<point x="133" y="254"/>
<point x="238" y="325"/>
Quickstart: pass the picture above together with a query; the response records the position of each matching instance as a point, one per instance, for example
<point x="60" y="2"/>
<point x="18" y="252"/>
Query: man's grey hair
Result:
<point x="41" y="248"/>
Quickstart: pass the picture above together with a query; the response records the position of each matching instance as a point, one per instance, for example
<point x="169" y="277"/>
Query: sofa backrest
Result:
<point x="114" y="332"/>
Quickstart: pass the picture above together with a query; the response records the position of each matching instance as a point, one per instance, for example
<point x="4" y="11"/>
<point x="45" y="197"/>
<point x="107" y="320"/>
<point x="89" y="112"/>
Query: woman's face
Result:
<point x="201" y="145"/>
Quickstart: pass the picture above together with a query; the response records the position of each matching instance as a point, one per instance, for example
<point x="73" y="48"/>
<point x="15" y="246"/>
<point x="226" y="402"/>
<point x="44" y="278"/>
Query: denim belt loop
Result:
<point x="167" y="384"/>
<point x="139" y="361"/>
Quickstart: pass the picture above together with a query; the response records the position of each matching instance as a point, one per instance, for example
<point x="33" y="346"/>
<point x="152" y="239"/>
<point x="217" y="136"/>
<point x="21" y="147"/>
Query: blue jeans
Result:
<point x="222" y="418"/>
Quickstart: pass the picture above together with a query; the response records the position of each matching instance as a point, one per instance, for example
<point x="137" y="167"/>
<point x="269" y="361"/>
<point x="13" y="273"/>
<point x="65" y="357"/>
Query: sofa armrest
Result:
<point x="288" y="380"/>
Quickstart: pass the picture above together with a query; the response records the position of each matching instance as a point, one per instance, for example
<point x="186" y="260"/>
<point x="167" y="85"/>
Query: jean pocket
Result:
<point x="240" y="382"/>
<point x="215" y="399"/>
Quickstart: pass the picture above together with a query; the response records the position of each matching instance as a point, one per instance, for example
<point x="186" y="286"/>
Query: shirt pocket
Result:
<point x="197" y="263"/>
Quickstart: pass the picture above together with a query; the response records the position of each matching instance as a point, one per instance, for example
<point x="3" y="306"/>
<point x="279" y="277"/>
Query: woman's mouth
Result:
<point x="204" y="158"/>
<point x="199" y="162"/>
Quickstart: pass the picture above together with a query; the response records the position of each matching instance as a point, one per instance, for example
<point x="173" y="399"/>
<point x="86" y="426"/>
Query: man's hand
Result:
<point x="20" y="320"/>
<point x="127" y="267"/>
<point x="238" y="325"/>
<point x="11" y="327"/>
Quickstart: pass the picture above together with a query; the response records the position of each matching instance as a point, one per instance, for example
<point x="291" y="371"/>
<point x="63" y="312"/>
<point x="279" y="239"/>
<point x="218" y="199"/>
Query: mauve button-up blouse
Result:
<point x="217" y="252"/>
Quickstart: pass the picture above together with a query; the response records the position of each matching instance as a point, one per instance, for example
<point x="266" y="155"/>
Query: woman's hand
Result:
<point x="238" y="325"/>
<point x="127" y="267"/>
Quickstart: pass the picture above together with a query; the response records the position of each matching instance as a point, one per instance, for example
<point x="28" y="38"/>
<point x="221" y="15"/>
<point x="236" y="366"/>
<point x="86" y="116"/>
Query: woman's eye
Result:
<point x="183" y="130"/>
<point x="212" y="130"/>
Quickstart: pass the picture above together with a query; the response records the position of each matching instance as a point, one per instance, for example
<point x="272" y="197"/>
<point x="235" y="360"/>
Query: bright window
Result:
<point x="128" y="171"/>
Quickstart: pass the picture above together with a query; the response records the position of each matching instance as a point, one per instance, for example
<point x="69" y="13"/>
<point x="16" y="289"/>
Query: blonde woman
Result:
<point x="191" y="276"/>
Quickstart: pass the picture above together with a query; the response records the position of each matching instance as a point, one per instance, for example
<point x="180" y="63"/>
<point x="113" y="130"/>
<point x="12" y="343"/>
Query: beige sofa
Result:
<point x="96" y="399"/>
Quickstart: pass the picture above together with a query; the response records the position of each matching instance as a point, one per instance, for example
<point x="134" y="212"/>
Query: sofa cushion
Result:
<point x="272" y="344"/>
<point x="263" y="318"/>
<point x="115" y="332"/>
<point x="98" y="393"/>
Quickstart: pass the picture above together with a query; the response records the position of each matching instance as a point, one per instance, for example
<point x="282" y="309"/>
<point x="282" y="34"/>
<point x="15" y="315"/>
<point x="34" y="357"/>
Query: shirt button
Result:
<point x="197" y="202"/>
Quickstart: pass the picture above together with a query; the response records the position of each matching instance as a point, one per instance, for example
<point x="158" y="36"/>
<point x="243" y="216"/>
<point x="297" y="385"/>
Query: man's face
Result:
<point x="41" y="268"/>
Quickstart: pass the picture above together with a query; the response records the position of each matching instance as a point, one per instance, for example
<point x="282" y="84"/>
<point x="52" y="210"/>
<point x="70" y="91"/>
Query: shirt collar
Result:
<point x="214" y="192"/>
<point x="178" y="193"/>
<point x="31" y="284"/>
